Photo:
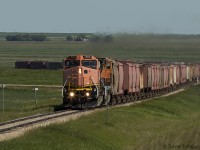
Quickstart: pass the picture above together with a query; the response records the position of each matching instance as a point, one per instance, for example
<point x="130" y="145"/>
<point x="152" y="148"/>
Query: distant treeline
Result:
<point x="26" y="37"/>
<point x="98" y="37"/>
<point x="101" y="37"/>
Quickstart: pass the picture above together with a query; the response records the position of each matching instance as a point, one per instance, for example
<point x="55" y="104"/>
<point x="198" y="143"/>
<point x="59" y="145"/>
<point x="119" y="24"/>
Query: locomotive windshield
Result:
<point x="90" y="63"/>
<point x="72" y="63"/>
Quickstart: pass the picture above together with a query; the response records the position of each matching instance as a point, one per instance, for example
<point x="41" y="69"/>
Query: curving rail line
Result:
<point x="27" y="121"/>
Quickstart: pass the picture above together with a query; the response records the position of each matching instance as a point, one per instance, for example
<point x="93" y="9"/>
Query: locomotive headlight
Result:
<point x="71" y="94"/>
<point x="87" y="94"/>
<point x="80" y="70"/>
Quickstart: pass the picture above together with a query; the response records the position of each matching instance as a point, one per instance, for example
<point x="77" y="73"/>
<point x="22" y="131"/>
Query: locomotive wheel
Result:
<point x="113" y="101"/>
<point x="108" y="99"/>
<point x="124" y="99"/>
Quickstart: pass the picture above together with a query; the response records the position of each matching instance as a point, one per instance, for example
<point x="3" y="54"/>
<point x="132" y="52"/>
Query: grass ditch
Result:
<point x="162" y="123"/>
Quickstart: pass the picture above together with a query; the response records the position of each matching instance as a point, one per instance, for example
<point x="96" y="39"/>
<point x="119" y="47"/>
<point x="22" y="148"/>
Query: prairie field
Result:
<point x="162" y="123"/>
<point x="133" y="47"/>
<point x="144" y="47"/>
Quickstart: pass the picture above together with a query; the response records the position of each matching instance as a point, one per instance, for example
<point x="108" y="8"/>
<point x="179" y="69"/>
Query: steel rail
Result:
<point x="39" y="118"/>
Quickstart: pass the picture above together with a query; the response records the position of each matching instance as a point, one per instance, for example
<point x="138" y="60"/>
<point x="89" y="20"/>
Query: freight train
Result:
<point x="91" y="82"/>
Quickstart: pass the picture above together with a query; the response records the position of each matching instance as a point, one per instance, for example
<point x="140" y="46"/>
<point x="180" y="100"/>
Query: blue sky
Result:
<point x="134" y="16"/>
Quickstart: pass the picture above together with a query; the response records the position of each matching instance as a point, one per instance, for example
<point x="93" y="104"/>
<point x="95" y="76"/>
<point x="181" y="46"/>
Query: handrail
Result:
<point x="65" y="82"/>
<point x="95" y="85"/>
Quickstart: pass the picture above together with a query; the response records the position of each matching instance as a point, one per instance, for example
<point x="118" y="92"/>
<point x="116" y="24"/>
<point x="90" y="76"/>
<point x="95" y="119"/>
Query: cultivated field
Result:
<point x="173" y="120"/>
<point x="134" y="47"/>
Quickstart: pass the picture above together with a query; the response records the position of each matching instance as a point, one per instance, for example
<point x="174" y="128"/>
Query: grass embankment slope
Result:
<point x="157" y="124"/>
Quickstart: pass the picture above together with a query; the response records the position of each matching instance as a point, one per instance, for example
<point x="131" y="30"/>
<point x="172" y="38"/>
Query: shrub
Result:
<point x="101" y="37"/>
<point x="26" y="37"/>
<point x="69" y="38"/>
<point x="38" y="37"/>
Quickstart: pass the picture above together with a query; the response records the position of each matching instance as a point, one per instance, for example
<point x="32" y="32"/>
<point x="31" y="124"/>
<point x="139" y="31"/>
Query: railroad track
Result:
<point x="23" y="124"/>
<point x="31" y="120"/>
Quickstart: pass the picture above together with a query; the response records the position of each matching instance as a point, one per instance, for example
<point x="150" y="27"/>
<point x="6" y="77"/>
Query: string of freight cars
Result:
<point x="29" y="64"/>
<point x="91" y="82"/>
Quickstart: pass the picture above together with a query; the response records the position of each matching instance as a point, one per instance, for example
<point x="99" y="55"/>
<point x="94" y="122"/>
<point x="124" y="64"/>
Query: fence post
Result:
<point x="3" y="86"/>
<point x="35" y="92"/>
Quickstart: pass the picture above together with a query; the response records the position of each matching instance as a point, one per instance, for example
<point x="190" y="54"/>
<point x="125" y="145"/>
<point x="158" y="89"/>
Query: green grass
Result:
<point x="143" y="47"/>
<point x="156" y="124"/>
<point x="163" y="122"/>
<point x="20" y="102"/>
<point x="36" y="77"/>
<point x="134" y="47"/>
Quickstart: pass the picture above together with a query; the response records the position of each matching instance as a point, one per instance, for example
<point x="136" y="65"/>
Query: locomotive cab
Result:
<point x="80" y="80"/>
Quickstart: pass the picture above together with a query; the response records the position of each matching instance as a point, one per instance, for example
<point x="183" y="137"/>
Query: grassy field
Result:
<point x="20" y="102"/>
<point x="163" y="123"/>
<point x="132" y="47"/>
<point x="145" y="47"/>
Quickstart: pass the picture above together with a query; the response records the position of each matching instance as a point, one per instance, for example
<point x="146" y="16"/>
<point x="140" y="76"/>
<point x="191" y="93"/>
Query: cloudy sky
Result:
<point x="140" y="16"/>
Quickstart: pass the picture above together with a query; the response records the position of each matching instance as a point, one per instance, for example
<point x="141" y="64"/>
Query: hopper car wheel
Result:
<point x="134" y="98"/>
<point x="131" y="97"/>
<point x="124" y="99"/>
<point x="113" y="101"/>
<point x="118" y="99"/>
<point x="127" y="98"/>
